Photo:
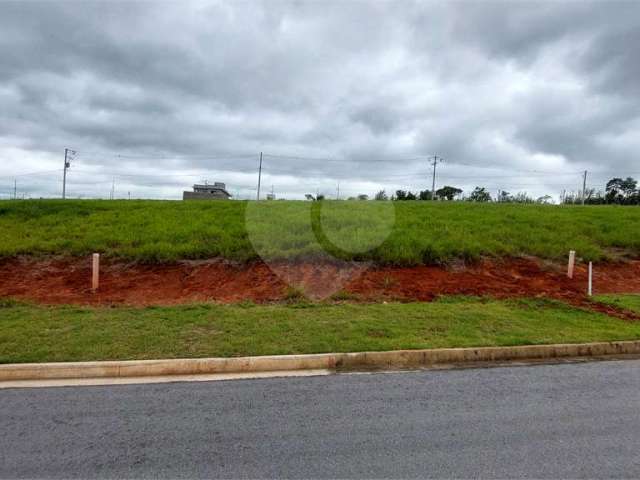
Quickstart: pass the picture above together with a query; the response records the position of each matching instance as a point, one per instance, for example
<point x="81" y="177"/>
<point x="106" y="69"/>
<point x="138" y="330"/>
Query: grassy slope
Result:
<point x="31" y="333"/>
<point x="423" y="232"/>
<point x="626" y="301"/>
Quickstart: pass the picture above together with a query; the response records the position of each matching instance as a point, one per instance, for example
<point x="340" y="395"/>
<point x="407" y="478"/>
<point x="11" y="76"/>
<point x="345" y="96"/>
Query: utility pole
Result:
<point x="259" y="175"/>
<point x="338" y="192"/>
<point x="15" y="189"/>
<point x="64" y="174"/>
<point x="68" y="156"/>
<point x="434" y="162"/>
<point x="113" y="188"/>
<point x="584" y="186"/>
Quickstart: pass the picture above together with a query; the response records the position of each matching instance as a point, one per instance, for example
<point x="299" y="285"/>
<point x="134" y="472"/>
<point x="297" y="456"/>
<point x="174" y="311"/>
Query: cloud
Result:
<point x="518" y="96"/>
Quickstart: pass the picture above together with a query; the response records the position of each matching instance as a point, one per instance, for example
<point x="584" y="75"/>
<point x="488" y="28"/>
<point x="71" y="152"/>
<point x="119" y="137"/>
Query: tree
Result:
<point x="425" y="195"/>
<point x="621" y="191"/>
<point x="505" y="196"/>
<point x="363" y="196"/>
<point x="448" y="192"/>
<point x="522" y="197"/>
<point x="629" y="186"/>
<point x="480" y="194"/>
<point x="381" y="195"/>
<point x="545" y="200"/>
<point x="308" y="196"/>
<point x="404" y="195"/>
<point x="595" y="198"/>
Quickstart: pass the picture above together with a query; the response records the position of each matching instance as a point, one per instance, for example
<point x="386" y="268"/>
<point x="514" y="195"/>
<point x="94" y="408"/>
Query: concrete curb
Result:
<point x="326" y="361"/>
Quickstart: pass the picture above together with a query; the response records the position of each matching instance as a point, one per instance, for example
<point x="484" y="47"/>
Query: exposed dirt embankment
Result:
<point x="64" y="281"/>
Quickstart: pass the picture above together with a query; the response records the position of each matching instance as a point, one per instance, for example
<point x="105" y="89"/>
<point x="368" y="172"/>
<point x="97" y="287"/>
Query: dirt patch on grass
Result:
<point x="67" y="281"/>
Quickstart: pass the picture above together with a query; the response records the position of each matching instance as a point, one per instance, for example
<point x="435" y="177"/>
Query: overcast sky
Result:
<point x="156" y="96"/>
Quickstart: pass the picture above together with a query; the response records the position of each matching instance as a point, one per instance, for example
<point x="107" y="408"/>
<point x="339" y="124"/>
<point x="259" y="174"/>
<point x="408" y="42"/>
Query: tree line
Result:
<point x="451" y="194"/>
<point x="618" y="191"/>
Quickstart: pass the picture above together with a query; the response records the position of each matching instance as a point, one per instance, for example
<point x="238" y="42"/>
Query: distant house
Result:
<point x="217" y="191"/>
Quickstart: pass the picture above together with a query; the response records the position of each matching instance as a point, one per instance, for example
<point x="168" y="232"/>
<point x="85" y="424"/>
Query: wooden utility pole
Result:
<point x="584" y="186"/>
<point x="259" y="176"/>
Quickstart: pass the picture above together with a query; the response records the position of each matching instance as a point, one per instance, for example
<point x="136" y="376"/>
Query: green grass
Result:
<point x="384" y="232"/>
<point x="30" y="333"/>
<point x="626" y="301"/>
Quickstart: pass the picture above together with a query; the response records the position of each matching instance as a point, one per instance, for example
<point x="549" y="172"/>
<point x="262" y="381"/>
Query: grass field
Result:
<point x="628" y="302"/>
<point x="31" y="333"/>
<point x="385" y="232"/>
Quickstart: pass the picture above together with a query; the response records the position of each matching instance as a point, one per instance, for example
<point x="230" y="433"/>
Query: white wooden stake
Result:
<point x="572" y="262"/>
<point x="590" y="288"/>
<point x="95" y="278"/>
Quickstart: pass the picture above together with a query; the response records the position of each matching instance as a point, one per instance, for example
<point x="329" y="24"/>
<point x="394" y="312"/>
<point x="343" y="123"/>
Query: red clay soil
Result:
<point x="67" y="281"/>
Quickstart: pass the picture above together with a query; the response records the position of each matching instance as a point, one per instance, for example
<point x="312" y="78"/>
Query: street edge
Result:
<point x="396" y="359"/>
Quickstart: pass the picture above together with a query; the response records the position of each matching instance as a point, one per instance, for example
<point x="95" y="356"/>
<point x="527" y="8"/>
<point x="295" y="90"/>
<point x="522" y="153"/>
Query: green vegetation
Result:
<point x="385" y="232"/>
<point x="626" y="301"/>
<point x="30" y="333"/>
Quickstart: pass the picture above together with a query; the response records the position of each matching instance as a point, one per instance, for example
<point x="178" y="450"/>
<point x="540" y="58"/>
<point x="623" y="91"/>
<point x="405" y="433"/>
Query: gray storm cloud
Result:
<point x="154" y="96"/>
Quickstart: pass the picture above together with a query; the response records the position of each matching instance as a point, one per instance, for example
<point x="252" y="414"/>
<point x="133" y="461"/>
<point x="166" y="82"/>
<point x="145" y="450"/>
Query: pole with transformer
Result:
<point x="68" y="155"/>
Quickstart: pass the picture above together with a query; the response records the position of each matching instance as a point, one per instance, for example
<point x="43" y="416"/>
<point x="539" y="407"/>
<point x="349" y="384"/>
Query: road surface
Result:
<point x="569" y="420"/>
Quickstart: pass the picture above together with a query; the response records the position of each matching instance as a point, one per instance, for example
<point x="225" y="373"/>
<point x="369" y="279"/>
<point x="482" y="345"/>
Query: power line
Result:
<point x="332" y="159"/>
<point x="143" y="175"/>
<point x="40" y="172"/>
<point x="165" y="156"/>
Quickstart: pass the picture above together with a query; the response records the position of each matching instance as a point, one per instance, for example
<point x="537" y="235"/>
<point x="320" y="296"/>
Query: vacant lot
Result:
<point x="30" y="333"/>
<point x="407" y="233"/>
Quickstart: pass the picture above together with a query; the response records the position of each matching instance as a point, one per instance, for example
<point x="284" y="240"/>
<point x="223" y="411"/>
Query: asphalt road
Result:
<point x="570" y="420"/>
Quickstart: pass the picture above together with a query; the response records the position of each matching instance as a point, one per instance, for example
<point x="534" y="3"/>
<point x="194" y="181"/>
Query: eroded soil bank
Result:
<point x="68" y="281"/>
